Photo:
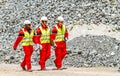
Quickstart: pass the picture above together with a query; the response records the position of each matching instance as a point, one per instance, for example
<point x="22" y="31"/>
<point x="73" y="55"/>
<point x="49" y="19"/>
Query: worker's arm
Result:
<point x="53" y="34"/>
<point x="18" y="39"/>
<point x="36" y="39"/>
<point x="66" y="35"/>
<point x="38" y="36"/>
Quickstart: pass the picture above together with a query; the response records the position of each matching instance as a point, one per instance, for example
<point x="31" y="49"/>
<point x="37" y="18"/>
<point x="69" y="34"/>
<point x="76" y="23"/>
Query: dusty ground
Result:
<point x="15" y="70"/>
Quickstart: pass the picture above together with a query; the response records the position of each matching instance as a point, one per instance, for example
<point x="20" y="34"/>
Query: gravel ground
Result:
<point x="15" y="70"/>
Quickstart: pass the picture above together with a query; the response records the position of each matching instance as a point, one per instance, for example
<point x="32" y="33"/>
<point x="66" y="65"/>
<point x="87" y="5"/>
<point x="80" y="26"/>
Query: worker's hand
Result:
<point x="40" y="47"/>
<point x="37" y="47"/>
<point x="54" y="47"/>
<point x="14" y="48"/>
<point x="38" y="51"/>
<point x="65" y="39"/>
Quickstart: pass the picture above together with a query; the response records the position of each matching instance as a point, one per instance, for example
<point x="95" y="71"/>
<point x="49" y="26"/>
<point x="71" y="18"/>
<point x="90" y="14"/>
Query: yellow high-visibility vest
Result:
<point x="45" y="36"/>
<point x="60" y="34"/>
<point x="28" y="38"/>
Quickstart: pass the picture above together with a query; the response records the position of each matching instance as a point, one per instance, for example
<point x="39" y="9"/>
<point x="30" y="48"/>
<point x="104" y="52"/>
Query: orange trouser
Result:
<point x="60" y="53"/>
<point x="44" y="55"/>
<point x="28" y="50"/>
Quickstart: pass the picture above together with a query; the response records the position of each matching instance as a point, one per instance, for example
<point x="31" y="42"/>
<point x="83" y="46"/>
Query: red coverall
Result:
<point x="60" y="50"/>
<point x="45" y="51"/>
<point x="28" y="50"/>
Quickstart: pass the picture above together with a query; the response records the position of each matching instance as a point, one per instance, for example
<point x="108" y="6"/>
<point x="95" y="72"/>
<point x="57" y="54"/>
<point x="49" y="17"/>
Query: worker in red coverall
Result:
<point x="26" y="36"/>
<point x="43" y="31"/>
<point x="59" y="36"/>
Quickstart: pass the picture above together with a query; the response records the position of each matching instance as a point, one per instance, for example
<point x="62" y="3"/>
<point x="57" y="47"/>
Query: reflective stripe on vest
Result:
<point x="60" y="34"/>
<point x="45" y="36"/>
<point x="28" y="38"/>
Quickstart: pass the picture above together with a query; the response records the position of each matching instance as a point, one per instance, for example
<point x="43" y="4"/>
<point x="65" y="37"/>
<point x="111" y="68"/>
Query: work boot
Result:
<point x="29" y="70"/>
<point x="23" y="68"/>
<point x="59" y="68"/>
<point x="42" y="69"/>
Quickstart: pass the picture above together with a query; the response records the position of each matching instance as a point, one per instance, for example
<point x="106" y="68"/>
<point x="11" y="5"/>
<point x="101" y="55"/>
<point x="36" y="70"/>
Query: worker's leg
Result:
<point x="63" y="53"/>
<point x="48" y="52"/>
<point x="23" y="64"/>
<point x="42" y="59"/>
<point x="28" y="52"/>
<point x="58" y="61"/>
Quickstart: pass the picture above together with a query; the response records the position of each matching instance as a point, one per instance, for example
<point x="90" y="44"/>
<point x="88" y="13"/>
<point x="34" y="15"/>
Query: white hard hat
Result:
<point x="60" y="18"/>
<point x="27" y="22"/>
<point x="43" y="18"/>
